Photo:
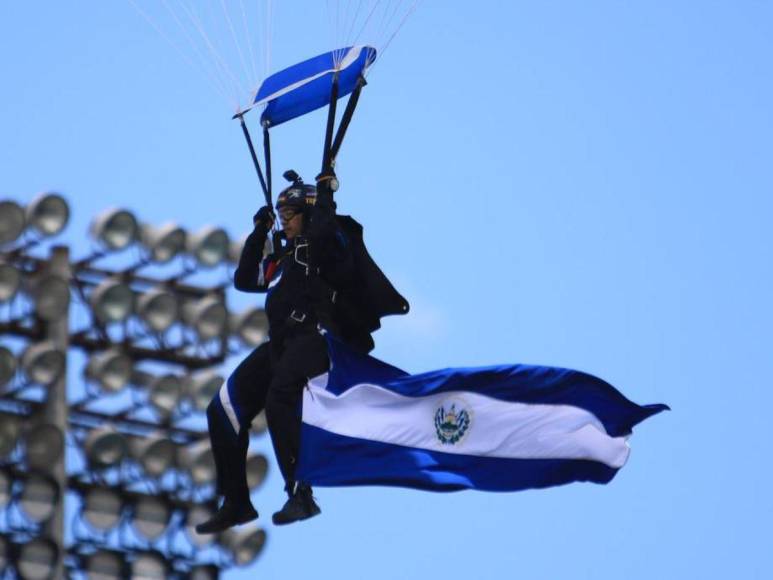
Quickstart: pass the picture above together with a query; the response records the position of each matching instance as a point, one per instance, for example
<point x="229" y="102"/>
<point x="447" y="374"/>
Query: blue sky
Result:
<point x="575" y="184"/>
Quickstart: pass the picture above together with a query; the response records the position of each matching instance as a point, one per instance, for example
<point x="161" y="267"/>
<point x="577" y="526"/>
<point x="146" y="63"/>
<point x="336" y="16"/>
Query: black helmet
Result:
<point x="297" y="195"/>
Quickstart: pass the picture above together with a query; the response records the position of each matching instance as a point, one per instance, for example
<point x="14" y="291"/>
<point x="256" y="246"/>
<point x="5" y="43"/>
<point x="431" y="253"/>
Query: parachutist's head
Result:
<point x="293" y="204"/>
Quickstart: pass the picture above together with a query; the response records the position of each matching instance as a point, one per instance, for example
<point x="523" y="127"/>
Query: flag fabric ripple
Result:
<point x="499" y="428"/>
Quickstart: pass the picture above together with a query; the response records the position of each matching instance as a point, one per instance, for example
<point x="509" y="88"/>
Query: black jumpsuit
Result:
<point x="302" y="280"/>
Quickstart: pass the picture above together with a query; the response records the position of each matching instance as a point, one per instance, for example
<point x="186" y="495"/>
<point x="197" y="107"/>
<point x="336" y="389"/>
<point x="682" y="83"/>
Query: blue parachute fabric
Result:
<point x="305" y="87"/>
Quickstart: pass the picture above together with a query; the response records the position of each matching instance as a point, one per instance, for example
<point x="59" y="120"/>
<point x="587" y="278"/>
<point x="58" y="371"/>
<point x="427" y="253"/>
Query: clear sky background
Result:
<point x="579" y="184"/>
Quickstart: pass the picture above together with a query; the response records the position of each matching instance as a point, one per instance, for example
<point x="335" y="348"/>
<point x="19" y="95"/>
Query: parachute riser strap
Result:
<point x="267" y="152"/>
<point x="351" y="105"/>
<point x="255" y="162"/>
<point x="331" y="117"/>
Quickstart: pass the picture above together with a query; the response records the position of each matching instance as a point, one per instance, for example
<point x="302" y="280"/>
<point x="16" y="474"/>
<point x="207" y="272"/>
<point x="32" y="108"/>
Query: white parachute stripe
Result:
<point x="225" y="400"/>
<point x="497" y="428"/>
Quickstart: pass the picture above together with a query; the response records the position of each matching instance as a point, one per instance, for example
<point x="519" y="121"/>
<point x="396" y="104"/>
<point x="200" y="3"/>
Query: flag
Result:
<point x="498" y="428"/>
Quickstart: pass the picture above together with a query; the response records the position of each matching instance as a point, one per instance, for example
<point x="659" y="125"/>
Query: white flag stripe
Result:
<point x="497" y="428"/>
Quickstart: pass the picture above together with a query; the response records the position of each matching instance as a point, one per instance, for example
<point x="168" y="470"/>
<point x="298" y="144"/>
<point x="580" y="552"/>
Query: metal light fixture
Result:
<point x="105" y="565"/>
<point x="10" y="427"/>
<point x="251" y="326"/>
<point x="155" y="453"/>
<point x="11" y="221"/>
<point x="48" y="214"/>
<point x="51" y="295"/>
<point x="6" y="489"/>
<point x="245" y="544"/>
<point x="105" y="447"/>
<point x="43" y="363"/>
<point x="37" y="559"/>
<point x="115" y="229"/>
<point x="235" y="250"/>
<point x="202" y="386"/>
<point x="43" y="445"/>
<point x="7" y="366"/>
<point x="10" y="280"/>
<point x="112" y="301"/>
<point x="259" y="423"/>
<point x="204" y="572"/>
<point x="208" y="317"/>
<point x="199" y="461"/>
<point x="110" y="369"/>
<point x="163" y="242"/>
<point x="257" y="468"/>
<point x="150" y="516"/>
<point x="39" y="497"/>
<point x="149" y="566"/>
<point x="158" y="309"/>
<point x="195" y="515"/>
<point x="164" y="391"/>
<point x="209" y="246"/>
<point x="102" y="508"/>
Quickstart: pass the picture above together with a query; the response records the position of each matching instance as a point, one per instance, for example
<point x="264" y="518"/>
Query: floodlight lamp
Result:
<point x="257" y="468"/>
<point x="259" y="423"/>
<point x="251" y="326"/>
<point x="11" y="221"/>
<point x="48" y="214"/>
<point x="158" y="309"/>
<point x="149" y="566"/>
<point x="150" y="516"/>
<point x="105" y="447"/>
<point x="163" y="242"/>
<point x="204" y="572"/>
<point x="7" y="366"/>
<point x="105" y="565"/>
<point x="245" y="544"/>
<point x="51" y="295"/>
<point x="202" y="386"/>
<point x="195" y="515"/>
<point x="208" y="316"/>
<point x="235" y="250"/>
<point x="102" y="508"/>
<point x="209" y="246"/>
<point x="115" y="229"/>
<point x="165" y="393"/>
<point x="199" y="461"/>
<point x="43" y="363"/>
<point x="10" y="428"/>
<point x="155" y="453"/>
<point x="111" y="301"/>
<point x="43" y="445"/>
<point x="10" y="280"/>
<point x="37" y="559"/>
<point x="110" y="369"/>
<point x="39" y="497"/>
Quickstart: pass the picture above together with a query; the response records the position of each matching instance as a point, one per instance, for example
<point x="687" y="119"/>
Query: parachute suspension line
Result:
<point x="350" y="33"/>
<point x="214" y="81"/>
<point x="365" y="23"/>
<point x="411" y="10"/>
<point x="327" y="165"/>
<point x="268" y="33"/>
<point x="351" y="105"/>
<point x="247" y="35"/>
<point x="216" y="57"/>
<point x="236" y="42"/>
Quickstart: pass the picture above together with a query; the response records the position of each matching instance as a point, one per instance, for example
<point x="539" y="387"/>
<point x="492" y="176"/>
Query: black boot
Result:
<point x="230" y="514"/>
<point x="300" y="506"/>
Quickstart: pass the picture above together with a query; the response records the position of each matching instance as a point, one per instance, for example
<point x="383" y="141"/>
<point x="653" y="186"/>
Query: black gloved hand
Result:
<point x="327" y="182"/>
<point x="264" y="218"/>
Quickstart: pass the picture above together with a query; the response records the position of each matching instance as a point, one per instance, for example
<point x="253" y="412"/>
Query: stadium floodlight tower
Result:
<point x="125" y="442"/>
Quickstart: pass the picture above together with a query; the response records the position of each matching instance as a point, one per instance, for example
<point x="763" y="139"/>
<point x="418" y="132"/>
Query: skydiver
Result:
<point x="322" y="277"/>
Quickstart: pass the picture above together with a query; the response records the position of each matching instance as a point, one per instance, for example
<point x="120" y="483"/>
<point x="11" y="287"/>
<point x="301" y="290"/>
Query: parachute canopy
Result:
<point x="305" y="87"/>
